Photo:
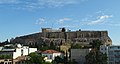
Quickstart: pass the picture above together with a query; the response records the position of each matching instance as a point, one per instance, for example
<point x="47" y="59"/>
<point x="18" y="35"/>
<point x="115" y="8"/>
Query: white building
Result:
<point x="113" y="53"/>
<point x="16" y="51"/>
<point x="51" y="54"/>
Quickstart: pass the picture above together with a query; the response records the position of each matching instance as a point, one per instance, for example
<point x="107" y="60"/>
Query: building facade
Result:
<point x="113" y="53"/>
<point x="78" y="55"/>
<point x="51" y="54"/>
<point x="16" y="53"/>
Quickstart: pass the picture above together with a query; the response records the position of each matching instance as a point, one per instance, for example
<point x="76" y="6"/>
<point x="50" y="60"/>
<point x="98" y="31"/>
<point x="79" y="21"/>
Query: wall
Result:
<point x="57" y="54"/>
<point x="82" y="37"/>
<point x="25" y="50"/>
<point x="32" y="50"/>
<point x="79" y="55"/>
<point x="17" y="53"/>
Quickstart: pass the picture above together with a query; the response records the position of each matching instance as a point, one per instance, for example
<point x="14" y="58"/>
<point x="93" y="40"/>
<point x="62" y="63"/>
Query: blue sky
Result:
<point x="22" y="17"/>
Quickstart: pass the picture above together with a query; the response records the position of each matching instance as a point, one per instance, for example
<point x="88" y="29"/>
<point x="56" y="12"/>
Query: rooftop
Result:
<point x="50" y="51"/>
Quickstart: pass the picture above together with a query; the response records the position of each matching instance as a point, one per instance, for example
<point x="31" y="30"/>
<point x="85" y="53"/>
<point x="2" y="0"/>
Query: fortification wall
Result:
<point x="82" y="37"/>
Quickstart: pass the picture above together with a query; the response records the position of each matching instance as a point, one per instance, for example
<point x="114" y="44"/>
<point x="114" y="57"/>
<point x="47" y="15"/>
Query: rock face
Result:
<point x="61" y="37"/>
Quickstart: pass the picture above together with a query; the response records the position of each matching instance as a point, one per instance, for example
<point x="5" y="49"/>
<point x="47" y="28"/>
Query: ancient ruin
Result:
<point x="63" y="36"/>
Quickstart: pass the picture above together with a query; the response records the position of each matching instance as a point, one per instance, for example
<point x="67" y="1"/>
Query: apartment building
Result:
<point x="113" y="53"/>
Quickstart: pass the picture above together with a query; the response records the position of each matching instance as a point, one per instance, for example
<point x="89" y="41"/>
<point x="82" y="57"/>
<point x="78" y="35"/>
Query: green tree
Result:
<point x="76" y="46"/>
<point x="36" y="58"/>
<point x="58" y="60"/>
<point x="5" y="57"/>
<point x="46" y="63"/>
<point x="52" y="46"/>
<point x="96" y="44"/>
<point x="95" y="56"/>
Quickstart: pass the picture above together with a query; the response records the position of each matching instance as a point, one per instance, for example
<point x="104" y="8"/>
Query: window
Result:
<point x="111" y="59"/>
<point x="101" y="49"/>
<point x="110" y="47"/>
<point x="110" y="62"/>
<point x="105" y="48"/>
<point x="50" y="56"/>
<point x="110" y="52"/>
<point x="22" y="52"/>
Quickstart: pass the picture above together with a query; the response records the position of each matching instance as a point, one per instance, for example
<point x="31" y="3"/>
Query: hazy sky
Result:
<point x="22" y="17"/>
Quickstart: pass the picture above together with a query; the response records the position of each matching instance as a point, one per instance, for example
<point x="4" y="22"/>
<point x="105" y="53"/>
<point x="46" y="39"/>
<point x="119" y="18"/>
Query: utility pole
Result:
<point x="12" y="57"/>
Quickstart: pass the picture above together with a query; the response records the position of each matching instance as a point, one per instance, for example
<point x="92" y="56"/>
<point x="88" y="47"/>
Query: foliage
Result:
<point x="44" y="48"/>
<point x="79" y="46"/>
<point x="58" y="60"/>
<point x="95" y="56"/>
<point x="96" y="44"/>
<point x="46" y="63"/>
<point x="36" y="58"/>
<point x="76" y="46"/>
<point x="52" y="46"/>
<point x="5" y="57"/>
<point x="9" y="47"/>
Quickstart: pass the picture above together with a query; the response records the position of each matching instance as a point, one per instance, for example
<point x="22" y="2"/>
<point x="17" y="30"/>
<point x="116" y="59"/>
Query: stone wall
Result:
<point x="81" y="37"/>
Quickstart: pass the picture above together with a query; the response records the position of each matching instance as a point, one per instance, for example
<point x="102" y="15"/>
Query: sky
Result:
<point x="23" y="17"/>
